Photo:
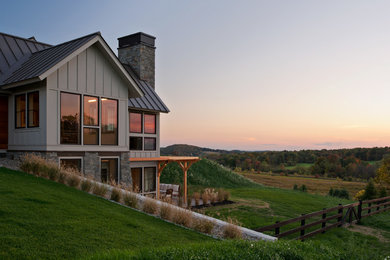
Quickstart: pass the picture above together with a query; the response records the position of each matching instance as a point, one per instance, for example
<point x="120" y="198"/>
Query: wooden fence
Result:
<point x="329" y="218"/>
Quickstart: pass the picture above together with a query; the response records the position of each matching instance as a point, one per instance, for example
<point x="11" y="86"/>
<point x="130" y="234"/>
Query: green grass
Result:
<point x="303" y="165"/>
<point x="43" y="219"/>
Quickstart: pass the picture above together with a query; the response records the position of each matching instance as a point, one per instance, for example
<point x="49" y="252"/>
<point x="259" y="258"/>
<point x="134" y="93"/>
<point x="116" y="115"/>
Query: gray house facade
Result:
<point x="79" y="104"/>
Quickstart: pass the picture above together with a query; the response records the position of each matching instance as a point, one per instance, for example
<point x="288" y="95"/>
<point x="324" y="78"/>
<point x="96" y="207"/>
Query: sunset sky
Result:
<point x="250" y="75"/>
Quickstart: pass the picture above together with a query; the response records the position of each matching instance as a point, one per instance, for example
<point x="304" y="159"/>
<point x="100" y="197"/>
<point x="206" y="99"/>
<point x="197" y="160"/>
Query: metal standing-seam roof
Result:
<point x="41" y="61"/>
<point x="150" y="101"/>
<point x="14" y="49"/>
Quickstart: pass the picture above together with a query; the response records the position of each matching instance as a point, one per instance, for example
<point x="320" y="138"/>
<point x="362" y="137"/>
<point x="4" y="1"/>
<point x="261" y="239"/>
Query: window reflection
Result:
<point x="33" y="109"/>
<point x="109" y="128"/>
<point x="149" y="144"/>
<point x="91" y="111"/>
<point x="70" y="118"/>
<point x="20" y="108"/>
<point x="150" y="124"/>
<point x="150" y="179"/>
<point x="91" y="135"/>
<point x="135" y="122"/>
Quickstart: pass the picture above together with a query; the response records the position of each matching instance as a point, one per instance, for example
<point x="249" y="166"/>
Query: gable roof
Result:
<point x="38" y="65"/>
<point x="150" y="100"/>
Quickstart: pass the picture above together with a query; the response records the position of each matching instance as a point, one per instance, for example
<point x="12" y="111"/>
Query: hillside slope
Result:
<point x="43" y="219"/>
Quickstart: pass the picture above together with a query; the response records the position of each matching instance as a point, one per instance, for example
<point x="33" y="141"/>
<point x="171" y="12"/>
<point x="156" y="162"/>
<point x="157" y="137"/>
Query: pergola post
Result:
<point x="185" y="165"/>
<point x="161" y="166"/>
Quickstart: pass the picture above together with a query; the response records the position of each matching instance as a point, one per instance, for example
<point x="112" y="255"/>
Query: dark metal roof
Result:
<point x="150" y="101"/>
<point x="14" y="49"/>
<point x="35" y="64"/>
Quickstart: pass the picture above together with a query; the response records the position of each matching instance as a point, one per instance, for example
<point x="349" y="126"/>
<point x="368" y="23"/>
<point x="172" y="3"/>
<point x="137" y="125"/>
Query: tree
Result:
<point x="383" y="173"/>
<point x="370" y="192"/>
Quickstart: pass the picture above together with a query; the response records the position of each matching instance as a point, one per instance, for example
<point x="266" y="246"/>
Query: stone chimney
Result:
<point x="137" y="50"/>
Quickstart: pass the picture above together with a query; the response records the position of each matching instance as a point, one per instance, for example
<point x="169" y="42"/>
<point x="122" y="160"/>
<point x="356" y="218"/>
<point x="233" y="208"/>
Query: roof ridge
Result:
<point x="25" y="39"/>
<point x="53" y="46"/>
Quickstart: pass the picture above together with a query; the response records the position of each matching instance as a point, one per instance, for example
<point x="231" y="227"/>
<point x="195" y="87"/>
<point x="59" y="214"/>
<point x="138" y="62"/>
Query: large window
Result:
<point x="20" y="111"/>
<point x="109" y="128"/>
<point x="150" y="179"/>
<point x="33" y="109"/>
<point x="136" y="175"/>
<point x="91" y="120"/>
<point x="150" y="124"/>
<point x="135" y="122"/>
<point x="109" y="170"/>
<point x="70" y="118"/>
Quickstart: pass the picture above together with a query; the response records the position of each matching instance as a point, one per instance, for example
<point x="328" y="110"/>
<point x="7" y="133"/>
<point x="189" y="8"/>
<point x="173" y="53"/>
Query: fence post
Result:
<point x="369" y="210"/>
<point x="360" y="210"/>
<point x="377" y="208"/>
<point x="277" y="229"/>
<point x="340" y="218"/>
<point x="323" y="223"/>
<point x="303" y="230"/>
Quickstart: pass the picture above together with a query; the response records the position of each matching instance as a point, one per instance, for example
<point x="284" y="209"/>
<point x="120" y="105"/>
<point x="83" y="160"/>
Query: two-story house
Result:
<point x="83" y="106"/>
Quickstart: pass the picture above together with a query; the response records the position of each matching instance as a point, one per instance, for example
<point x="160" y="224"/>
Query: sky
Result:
<point x="249" y="75"/>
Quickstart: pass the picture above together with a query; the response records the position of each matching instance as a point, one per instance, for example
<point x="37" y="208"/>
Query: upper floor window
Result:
<point x="70" y="118"/>
<point x="109" y="129"/>
<point x="27" y="110"/>
<point x="135" y="122"/>
<point x="149" y="124"/>
<point x="91" y="120"/>
<point x="20" y="111"/>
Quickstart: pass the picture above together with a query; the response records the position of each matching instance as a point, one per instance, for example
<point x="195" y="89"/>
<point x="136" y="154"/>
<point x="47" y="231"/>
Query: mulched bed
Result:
<point x="226" y="202"/>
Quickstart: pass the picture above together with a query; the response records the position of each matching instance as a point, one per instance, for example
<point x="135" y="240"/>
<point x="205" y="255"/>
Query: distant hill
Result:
<point x="192" y="150"/>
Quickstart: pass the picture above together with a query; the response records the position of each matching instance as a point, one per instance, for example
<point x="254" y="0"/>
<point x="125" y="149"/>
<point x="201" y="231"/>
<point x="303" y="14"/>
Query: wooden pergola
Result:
<point x="162" y="161"/>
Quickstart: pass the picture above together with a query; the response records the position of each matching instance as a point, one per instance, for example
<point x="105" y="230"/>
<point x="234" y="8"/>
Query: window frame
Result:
<point x="118" y="166"/>
<point x="81" y="118"/>
<point x="72" y="158"/>
<point x="117" y="121"/>
<point x="28" y="110"/>
<point x="98" y="119"/>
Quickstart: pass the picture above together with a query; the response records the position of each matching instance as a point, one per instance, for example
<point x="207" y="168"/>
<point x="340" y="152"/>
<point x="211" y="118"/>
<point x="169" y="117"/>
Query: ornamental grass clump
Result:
<point x="203" y="225"/>
<point x="231" y="230"/>
<point x="205" y="198"/>
<point x="99" y="189"/>
<point x="166" y="211"/>
<point x="116" y="195"/>
<point x="73" y="180"/>
<point x="182" y="217"/>
<point x="130" y="200"/>
<point x="62" y="176"/>
<point x="150" y="206"/>
<point x="196" y="197"/>
<point x="86" y="185"/>
<point x="32" y="163"/>
<point x="53" y="172"/>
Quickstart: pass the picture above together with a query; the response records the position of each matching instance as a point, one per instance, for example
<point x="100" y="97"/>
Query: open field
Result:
<point x="314" y="185"/>
<point x="43" y="219"/>
<point x="303" y="165"/>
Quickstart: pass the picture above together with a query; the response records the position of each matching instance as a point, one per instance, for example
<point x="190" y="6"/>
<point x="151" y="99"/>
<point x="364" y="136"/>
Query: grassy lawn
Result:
<point x="303" y="165"/>
<point x="314" y="185"/>
<point x="43" y="219"/>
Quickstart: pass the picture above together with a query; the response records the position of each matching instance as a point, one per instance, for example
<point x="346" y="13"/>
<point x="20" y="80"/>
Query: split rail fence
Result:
<point x="328" y="218"/>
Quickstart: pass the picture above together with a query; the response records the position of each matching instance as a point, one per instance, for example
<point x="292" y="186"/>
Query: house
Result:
<point x="81" y="105"/>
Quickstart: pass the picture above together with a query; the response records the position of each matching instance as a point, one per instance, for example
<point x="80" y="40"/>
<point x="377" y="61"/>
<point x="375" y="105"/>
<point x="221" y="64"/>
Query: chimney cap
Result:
<point x="135" y="39"/>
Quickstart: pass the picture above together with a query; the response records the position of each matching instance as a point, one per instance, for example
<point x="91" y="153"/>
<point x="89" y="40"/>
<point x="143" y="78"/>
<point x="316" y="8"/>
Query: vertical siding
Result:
<point x="89" y="73"/>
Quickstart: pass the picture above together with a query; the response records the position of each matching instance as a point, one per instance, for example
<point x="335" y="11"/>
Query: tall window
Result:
<point x="70" y="118"/>
<point x="109" y="170"/>
<point x="109" y="128"/>
<point x="20" y="107"/>
<point x="135" y="122"/>
<point x="136" y="175"/>
<point x="91" y="120"/>
<point x="150" y="124"/>
<point x="33" y="109"/>
<point x="150" y="179"/>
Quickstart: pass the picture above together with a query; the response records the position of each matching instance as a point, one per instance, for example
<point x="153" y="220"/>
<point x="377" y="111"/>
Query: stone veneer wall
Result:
<point x="91" y="162"/>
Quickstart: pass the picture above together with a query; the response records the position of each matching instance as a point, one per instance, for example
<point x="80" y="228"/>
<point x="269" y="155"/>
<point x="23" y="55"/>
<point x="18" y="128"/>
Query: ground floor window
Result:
<point x="109" y="170"/>
<point x="73" y="163"/>
<point x="144" y="179"/>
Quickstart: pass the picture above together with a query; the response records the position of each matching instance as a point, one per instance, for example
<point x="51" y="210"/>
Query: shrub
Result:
<point x="231" y="230"/>
<point x="62" y="176"/>
<point x="382" y="192"/>
<point x="53" y="172"/>
<point x="370" y="192"/>
<point x="205" y="198"/>
<point x="330" y="193"/>
<point x="359" y="195"/>
<point x="86" y="185"/>
<point x="226" y="196"/>
<point x="220" y="196"/>
<point x="204" y="225"/>
<point x="303" y="188"/>
<point x="130" y="200"/>
<point x="342" y="193"/>
<point x="73" y="180"/>
<point x="150" y="206"/>
<point x="196" y="197"/>
<point x="182" y="217"/>
<point x="99" y="189"/>
<point x="213" y="197"/>
<point x="166" y="211"/>
<point x="116" y="195"/>
<point x="32" y="163"/>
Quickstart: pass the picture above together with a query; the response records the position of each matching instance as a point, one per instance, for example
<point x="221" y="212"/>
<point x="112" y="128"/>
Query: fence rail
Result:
<point x="353" y="214"/>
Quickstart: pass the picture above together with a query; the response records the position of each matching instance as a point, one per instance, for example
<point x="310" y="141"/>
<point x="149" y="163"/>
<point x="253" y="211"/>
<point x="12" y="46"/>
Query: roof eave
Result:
<point x="20" y="83"/>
